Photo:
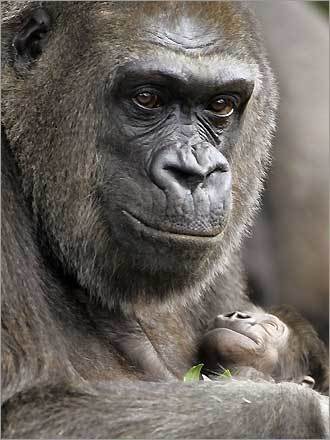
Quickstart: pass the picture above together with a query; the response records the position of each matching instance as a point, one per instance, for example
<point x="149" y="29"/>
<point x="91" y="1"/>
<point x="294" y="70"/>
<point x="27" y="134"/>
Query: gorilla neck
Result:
<point x="129" y="288"/>
<point x="159" y="287"/>
<point x="118" y="282"/>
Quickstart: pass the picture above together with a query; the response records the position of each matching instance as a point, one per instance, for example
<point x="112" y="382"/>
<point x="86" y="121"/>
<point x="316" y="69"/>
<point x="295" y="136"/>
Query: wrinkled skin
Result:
<point x="135" y="143"/>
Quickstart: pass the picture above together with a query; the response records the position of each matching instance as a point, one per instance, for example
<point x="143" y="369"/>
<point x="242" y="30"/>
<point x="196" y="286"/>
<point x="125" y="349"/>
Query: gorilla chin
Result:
<point x="167" y="248"/>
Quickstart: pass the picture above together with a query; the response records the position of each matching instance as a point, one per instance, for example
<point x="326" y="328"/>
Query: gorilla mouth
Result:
<point x="171" y="231"/>
<point x="243" y="333"/>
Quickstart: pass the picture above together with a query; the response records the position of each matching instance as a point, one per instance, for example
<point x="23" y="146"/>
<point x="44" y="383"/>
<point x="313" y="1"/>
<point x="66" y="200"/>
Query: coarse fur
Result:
<point x="96" y="261"/>
<point x="77" y="283"/>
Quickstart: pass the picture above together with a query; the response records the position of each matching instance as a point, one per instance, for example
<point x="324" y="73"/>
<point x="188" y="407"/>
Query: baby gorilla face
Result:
<point x="247" y="339"/>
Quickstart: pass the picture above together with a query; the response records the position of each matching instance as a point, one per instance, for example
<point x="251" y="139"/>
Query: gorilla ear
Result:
<point x="31" y="39"/>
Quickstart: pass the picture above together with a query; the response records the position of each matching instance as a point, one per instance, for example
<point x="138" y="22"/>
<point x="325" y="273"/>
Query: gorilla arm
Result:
<point x="26" y="353"/>
<point x="174" y="410"/>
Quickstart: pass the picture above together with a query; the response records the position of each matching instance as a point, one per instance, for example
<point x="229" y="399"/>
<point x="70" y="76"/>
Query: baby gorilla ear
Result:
<point x="32" y="37"/>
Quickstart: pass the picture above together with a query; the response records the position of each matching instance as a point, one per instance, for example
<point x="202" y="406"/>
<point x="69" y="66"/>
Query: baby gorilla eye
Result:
<point x="147" y="100"/>
<point x="223" y="106"/>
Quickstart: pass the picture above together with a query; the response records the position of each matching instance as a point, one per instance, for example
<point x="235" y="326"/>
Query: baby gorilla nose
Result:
<point x="237" y="315"/>
<point x="237" y="321"/>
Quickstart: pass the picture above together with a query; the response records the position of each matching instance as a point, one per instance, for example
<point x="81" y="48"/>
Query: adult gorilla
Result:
<point x="136" y="137"/>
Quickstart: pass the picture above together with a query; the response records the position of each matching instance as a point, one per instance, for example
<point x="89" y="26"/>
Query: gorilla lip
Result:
<point x="243" y="333"/>
<point x="181" y="235"/>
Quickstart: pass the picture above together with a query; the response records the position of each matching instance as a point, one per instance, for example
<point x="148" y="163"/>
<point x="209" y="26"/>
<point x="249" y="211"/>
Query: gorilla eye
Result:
<point x="148" y="100"/>
<point x="223" y="106"/>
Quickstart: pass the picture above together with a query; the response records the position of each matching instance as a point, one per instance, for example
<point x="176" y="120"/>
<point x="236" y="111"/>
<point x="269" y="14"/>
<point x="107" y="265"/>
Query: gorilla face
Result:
<point x="169" y="135"/>
<point x="173" y="119"/>
<point x="152" y="139"/>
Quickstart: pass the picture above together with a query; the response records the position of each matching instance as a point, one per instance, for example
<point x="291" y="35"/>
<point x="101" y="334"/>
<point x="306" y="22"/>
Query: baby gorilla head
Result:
<point x="259" y="340"/>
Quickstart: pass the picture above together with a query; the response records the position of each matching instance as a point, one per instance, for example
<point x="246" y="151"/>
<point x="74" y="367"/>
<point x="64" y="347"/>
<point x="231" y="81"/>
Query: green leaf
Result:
<point x="193" y="375"/>
<point x="226" y="373"/>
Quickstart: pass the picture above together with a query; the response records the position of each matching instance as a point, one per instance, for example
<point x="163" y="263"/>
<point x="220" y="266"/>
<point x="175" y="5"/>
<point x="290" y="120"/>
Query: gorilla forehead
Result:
<point x="187" y="34"/>
<point x="181" y="39"/>
<point x="180" y="26"/>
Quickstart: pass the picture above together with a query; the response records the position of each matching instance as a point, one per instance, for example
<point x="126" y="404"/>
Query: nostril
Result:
<point x="187" y="171"/>
<point x="229" y="315"/>
<point x="185" y="176"/>
<point x="241" y="315"/>
<point x="180" y="173"/>
<point x="237" y="315"/>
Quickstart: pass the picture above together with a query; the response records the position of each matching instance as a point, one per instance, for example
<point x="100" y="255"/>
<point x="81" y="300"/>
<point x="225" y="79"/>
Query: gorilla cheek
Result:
<point x="220" y="195"/>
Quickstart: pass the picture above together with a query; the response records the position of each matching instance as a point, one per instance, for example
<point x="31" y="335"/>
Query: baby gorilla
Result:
<point x="278" y="346"/>
<point x="281" y="348"/>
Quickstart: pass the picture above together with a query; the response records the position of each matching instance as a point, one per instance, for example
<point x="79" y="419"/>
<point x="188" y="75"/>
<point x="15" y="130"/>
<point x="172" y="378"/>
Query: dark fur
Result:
<point x="67" y="288"/>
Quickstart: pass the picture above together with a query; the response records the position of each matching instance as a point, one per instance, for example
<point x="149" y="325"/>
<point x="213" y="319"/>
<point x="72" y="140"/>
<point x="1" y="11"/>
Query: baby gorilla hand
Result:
<point x="244" y="339"/>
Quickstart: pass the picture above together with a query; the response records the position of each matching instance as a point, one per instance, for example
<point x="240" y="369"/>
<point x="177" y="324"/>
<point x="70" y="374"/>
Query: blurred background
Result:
<point x="323" y="6"/>
<point x="287" y="255"/>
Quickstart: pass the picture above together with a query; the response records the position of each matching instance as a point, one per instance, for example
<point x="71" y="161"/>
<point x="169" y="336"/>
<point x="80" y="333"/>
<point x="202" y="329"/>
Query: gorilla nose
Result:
<point x="237" y="315"/>
<point x="189" y="175"/>
<point x="233" y="319"/>
<point x="186" y="168"/>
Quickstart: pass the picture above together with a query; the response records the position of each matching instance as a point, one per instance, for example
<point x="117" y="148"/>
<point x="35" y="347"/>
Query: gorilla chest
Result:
<point x="157" y="347"/>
